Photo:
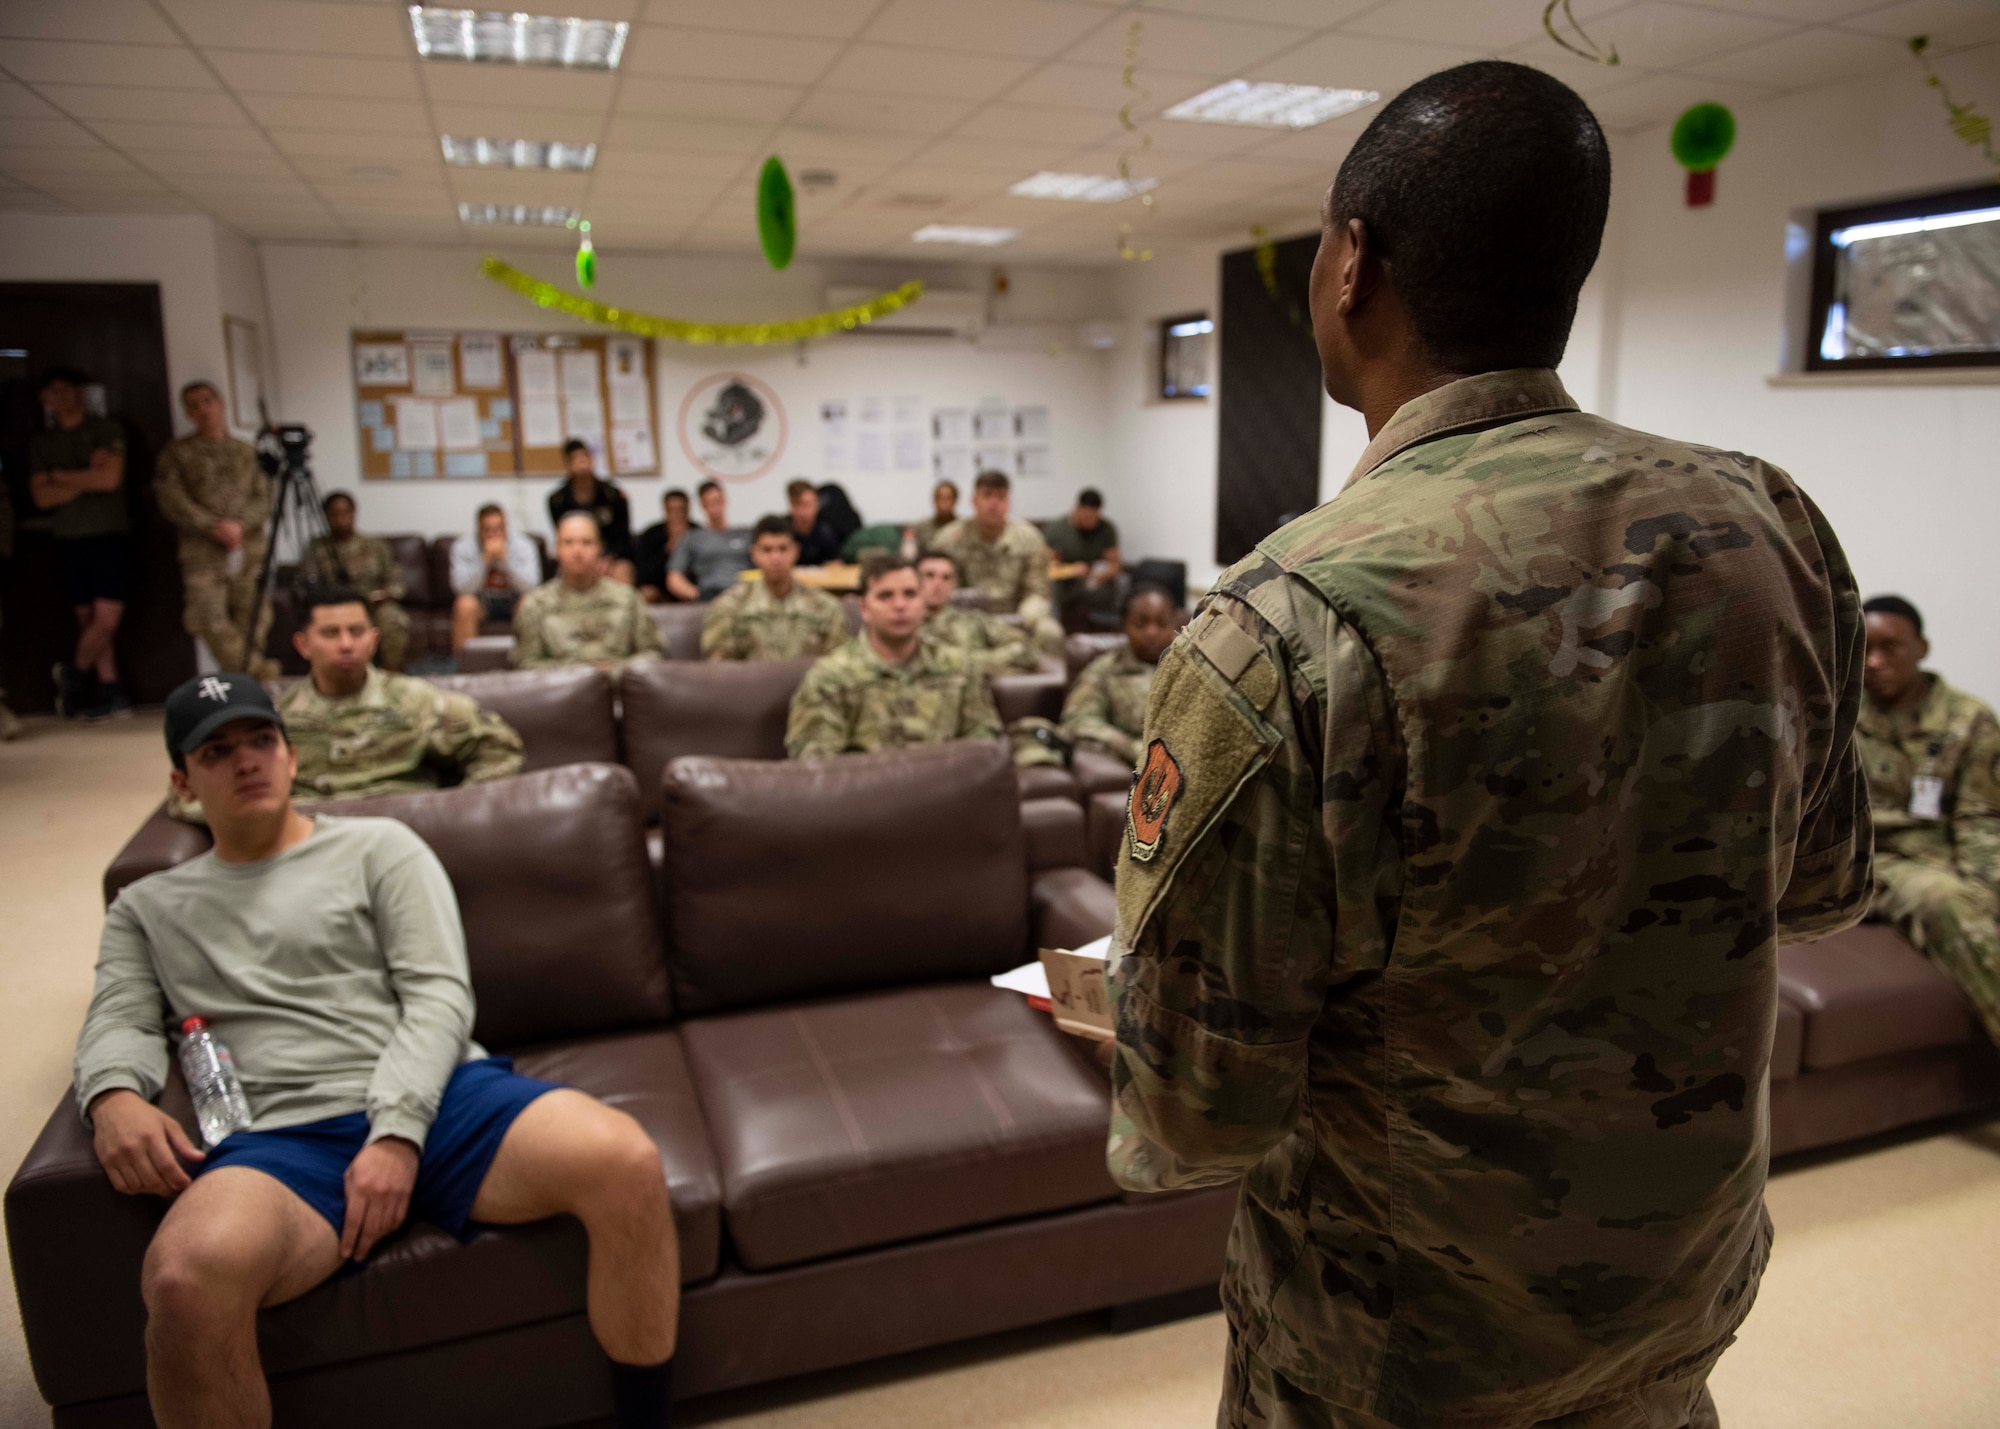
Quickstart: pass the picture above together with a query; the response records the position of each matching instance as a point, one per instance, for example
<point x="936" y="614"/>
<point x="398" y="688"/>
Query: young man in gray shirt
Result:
<point x="709" y="558"/>
<point x="327" y="953"/>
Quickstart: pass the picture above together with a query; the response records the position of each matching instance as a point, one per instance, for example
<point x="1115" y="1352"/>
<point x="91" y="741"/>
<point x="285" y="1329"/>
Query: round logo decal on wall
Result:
<point x="732" y="426"/>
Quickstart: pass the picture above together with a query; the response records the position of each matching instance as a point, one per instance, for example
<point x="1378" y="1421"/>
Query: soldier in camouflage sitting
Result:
<point x="1005" y="560"/>
<point x="774" y="618"/>
<point x="359" y="730"/>
<point x="992" y="644"/>
<point x="1933" y="760"/>
<point x="1106" y="707"/>
<point x="892" y="688"/>
<point x="346" y="557"/>
<point x="582" y="617"/>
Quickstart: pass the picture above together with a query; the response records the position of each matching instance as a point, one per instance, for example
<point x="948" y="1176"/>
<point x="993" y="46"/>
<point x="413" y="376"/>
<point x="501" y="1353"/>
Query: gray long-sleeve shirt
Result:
<point x="470" y="574"/>
<point x="335" y="973"/>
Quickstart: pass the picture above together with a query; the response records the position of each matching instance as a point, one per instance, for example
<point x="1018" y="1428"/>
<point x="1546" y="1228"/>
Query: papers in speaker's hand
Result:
<point x="1071" y="983"/>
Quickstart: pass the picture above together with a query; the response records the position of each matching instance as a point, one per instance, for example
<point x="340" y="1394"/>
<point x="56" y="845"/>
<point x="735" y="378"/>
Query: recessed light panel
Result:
<point x="1081" y="188"/>
<point x="525" y="214"/>
<point x="1271" y="106"/>
<point x="959" y="233"/>
<point x="518" y="153"/>
<point x="500" y="37"/>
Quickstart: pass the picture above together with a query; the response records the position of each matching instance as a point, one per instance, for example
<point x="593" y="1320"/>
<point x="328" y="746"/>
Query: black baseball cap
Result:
<point x="201" y="706"/>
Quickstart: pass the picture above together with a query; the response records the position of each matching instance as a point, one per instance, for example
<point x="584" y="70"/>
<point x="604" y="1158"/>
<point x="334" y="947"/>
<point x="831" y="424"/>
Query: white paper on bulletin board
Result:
<point x="910" y="449"/>
<point x="431" y="374"/>
<point x="416" y="424"/>
<point x="381" y="364"/>
<point x="479" y="360"/>
<point x="458" y="426"/>
<point x="541" y="421"/>
<point x="993" y="458"/>
<point x="537" y="373"/>
<point x="952" y="464"/>
<point x="632" y="449"/>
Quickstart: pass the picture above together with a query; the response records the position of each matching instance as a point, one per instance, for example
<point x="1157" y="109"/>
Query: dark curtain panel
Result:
<point x="1267" y="446"/>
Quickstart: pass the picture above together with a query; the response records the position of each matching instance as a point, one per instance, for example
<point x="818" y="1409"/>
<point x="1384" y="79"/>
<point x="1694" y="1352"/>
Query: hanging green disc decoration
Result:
<point x="1701" y="139"/>
<point x="777" y="216"/>
<point x="586" y="255"/>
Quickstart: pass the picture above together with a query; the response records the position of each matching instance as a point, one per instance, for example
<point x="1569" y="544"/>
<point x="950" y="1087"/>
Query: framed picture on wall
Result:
<point x="246" y="367"/>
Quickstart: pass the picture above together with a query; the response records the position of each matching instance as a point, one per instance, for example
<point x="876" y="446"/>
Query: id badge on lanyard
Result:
<point x="1926" y="797"/>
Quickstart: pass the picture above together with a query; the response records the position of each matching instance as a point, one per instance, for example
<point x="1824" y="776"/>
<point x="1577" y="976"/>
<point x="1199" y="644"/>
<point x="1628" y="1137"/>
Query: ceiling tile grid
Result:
<point x="302" y="119"/>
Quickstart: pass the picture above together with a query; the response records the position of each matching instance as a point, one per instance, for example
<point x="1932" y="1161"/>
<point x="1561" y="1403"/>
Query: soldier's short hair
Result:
<point x="1138" y="593"/>
<point x="773" y="526"/>
<point x="1090" y="496"/>
<point x="672" y="492"/>
<point x="947" y="485"/>
<point x="326" y="502"/>
<point x="932" y="553"/>
<point x="878" y="564"/>
<point x="1485" y="187"/>
<point x="795" y="489"/>
<point x="1895" y="605"/>
<point x="579" y="515"/>
<point x="992" y="481"/>
<point x="491" y="508"/>
<point x="200" y="384"/>
<point x="321" y="593"/>
<point x="573" y="446"/>
<point x="706" y="487"/>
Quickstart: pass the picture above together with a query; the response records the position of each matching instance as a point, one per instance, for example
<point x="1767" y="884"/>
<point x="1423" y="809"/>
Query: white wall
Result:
<point x="1906" y="473"/>
<point x="319" y="294"/>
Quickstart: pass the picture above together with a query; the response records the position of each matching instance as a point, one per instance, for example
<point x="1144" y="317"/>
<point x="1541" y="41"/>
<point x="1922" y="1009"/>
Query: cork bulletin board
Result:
<point x="433" y="404"/>
<point x="594" y="388"/>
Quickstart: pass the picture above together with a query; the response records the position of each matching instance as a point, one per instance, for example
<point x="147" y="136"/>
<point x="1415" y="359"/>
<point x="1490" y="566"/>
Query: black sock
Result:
<point x="643" y="1394"/>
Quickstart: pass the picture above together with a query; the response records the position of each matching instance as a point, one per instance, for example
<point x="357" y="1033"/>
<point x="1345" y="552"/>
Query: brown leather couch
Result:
<point x="869" y="1148"/>
<point x="679" y="625"/>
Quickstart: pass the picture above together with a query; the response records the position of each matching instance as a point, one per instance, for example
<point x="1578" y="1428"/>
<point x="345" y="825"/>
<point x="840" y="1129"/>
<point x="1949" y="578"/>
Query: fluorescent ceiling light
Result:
<point x="518" y="153"/>
<point x="500" y="37"/>
<point x="1082" y="188"/>
<point x="959" y="233"/>
<point x="525" y="214"/>
<point x="1894" y="227"/>
<point x="1271" y="106"/>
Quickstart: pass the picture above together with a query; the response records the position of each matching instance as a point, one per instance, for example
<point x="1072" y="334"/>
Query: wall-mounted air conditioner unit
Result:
<point x="940" y="312"/>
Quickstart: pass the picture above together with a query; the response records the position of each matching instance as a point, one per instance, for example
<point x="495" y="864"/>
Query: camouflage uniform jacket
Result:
<point x="991" y="643"/>
<point x="555" y="625"/>
<point x="1106" y="707"/>
<point x="852" y="702"/>
<point x="747" y="622"/>
<point x="1950" y="737"/>
<point x="1473" y="806"/>
<point x="370" y="564"/>
<point x="395" y="735"/>
<point x="1011" y="571"/>
<point x="199" y="482"/>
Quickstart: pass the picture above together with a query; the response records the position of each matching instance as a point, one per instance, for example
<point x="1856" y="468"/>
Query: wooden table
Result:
<point x="835" y="577"/>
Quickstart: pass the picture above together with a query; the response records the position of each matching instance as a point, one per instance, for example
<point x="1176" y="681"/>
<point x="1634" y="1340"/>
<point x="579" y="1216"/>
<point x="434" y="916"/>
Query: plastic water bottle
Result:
<point x="219" y="1103"/>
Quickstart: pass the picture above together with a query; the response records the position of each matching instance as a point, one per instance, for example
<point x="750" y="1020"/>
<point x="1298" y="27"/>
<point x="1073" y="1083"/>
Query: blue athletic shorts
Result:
<point x="480" y="1102"/>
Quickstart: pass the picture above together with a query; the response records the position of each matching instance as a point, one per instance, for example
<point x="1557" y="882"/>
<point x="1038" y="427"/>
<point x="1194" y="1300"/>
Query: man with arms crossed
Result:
<point x="210" y="485"/>
<point x="490" y="572"/>
<point x="327" y="953"/>
<point x="1472" y="808"/>
<point x="774" y="617"/>
<point x="76" y="472"/>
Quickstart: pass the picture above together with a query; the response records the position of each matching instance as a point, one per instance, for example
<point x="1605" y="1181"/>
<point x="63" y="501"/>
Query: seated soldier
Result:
<point x="774" y="618"/>
<point x="346" y="557"/>
<point x="990" y="642"/>
<point x="1106" y="707"/>
<point x="1933" y="759"/>
<point x="1005" y="560"/>
<point x="582" y="617"/>
<point x="893" y="687"/>
<point x="327" y="954"/>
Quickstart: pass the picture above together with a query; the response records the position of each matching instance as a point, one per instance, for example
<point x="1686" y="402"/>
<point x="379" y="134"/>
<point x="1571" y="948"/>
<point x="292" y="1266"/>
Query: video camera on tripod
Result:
<point x="284" y="452"/>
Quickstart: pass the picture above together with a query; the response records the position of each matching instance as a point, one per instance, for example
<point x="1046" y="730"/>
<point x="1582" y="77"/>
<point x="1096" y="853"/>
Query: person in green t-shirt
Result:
<point x="76" y="472"/>
<point x="1084" y="537"/>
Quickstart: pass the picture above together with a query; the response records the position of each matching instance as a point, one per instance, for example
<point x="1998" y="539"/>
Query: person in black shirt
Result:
<point x="657" y="544"/>
<point x="837" y="513"/>
<point x="817" y="542"/>
<point x="585" y="490"/>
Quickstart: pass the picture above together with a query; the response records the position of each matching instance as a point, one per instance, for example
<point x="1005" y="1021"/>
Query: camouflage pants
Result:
<point x="1256" y="1396"/>
<point x="215" y="605"/>
<point x="1951" y="920"/>
<point x="394" y="623"/>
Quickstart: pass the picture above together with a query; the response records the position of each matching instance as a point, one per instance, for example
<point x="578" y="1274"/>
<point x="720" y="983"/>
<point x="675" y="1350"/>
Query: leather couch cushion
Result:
<point x="1054" y="832"/>
<point x="413" y="555"/>
<point x="1071" y="907"/>
<point x="680" y="627"/>
<point x="1044" y="781"/>
<point x="732" y="709"/>
<point x="1096" y="772"/>
<point x="1084" y="646"/>
<point x="865" y="1120"/>
<point x="563" y="716"/>
<point x="1866" y="993"/>
<point x="1018" y="694"/>
<point x="483" y="654"/>
<point x="1104" y="831"/>
<point x="160" y="843"/>
<point x="788" y="880"/>
<point x="557" y="897"/>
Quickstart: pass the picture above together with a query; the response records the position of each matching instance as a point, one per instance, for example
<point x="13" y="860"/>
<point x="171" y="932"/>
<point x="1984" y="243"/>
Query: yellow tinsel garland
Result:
<point x="548" y="295"/>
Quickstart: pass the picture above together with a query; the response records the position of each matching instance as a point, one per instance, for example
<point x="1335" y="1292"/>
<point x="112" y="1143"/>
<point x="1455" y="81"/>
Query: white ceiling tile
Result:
<point x="1146" y="163"/>
<point x="1586" y="77"/>
<point x="942" y="74"/>
<point x="504" y="186"/>
<point x="308" y="146"/>
<point x="128" y="21"/>
<point x="1805" y="12"/>
<point x="1473" y="24"/>
<point x="1017" y="157"/>
<point x="525" y="86"/>
<point x="135" y="137"/>
<point x="701" y="98"/>
<point x="198" y="164"/>
<point x="622" y="169"/>
<point x="1046" y="125"/>
<point x="17" y="101"/>
<point x="48" y="134"/>
<point x="78" y="185"/>
<point x="1947" y="22"/>
<point x="705" y="136"/>
<point x="384" y="200"/>
<point x="233" y="186"/>
<point x="1661" y="98"/>
<point x="1308" y="14"/>
<point x="840" y="109"/>
<point x="1345" y="61"/>
<point x="827" y="19"/>
<point x="297" y="26"/>
<point x="1656" y="36"/>
<point x="25" y="162"/>
<point x="503" y="121"/>
<point x="1816" y="56"/>
<point x="706" y="54"/>
<point x="68" y="62"/>
<point x="945" y="180"/>
<point x="305" y="111"/>
<point x="1192" y="44"/>
<point x="1030" y="29"/>
<point x="167" y="106"/>
<point x="259" y="72"/>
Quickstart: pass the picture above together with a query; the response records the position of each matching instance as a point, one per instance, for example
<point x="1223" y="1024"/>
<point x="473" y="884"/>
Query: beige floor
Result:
<point x="1881" y="1309"/>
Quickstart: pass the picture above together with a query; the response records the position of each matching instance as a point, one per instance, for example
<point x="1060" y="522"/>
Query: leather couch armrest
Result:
<point x="160" y="843"/>
<point x="1031" y="692"/>
<point x="1070" y="907"/>
<point x="1096" y="772"/>
<point x="1054" y="829"/>
<point x="484" y="652"/>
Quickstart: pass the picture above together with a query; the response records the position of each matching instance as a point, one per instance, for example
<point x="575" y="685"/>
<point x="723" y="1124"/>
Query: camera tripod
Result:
<point x="296" y="509"/>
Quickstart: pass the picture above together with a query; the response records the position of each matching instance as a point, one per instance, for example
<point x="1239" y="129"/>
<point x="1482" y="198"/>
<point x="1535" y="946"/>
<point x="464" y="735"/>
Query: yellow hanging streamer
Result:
<point x="1126" y="250"/>
<point x="548" y="295"/>
<point x="1972" y="127"/>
